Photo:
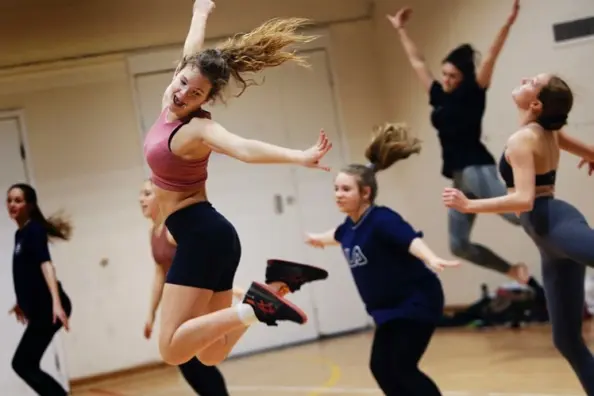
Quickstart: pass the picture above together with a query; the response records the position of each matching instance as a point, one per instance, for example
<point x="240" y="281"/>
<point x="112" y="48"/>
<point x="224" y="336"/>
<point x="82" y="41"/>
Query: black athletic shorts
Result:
<point x="208" y="248"/>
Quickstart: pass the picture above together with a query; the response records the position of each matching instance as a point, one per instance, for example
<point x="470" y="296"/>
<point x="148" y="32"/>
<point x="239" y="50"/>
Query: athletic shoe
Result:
<point x="270" y="307"/>
<point x="294" y="275"/>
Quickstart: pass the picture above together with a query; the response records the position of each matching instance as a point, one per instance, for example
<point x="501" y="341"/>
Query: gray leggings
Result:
<point x="479" y="181"/>
<point x="566" y="245"/>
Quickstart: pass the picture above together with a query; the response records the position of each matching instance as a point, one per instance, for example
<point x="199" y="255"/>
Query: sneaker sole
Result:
<point x="295" y="308"/>
<point x="287" y="262"/>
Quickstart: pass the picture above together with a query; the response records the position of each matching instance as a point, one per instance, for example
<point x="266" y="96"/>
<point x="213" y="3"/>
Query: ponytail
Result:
<point x="263" y="47"/>
<point x="557" y="100"/>
<point x="251" y="52"/>
<point x="552" y="123"/>
<point x="56" y="225"/>
<point x="390" y="144"/>
<point x="464" y="59"/>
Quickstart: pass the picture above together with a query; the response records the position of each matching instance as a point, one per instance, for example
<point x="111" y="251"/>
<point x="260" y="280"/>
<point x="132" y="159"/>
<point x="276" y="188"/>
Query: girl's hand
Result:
<point x="203" y="6"/>
<point x="312" y="156"/>
<point x="455" y="199"/>
<point x="19" y="314"/>
<point x="438" y="264"/>
<point x="314" y="240"/>
<point x="59" y="314"/>
<point x="400" y="19"/>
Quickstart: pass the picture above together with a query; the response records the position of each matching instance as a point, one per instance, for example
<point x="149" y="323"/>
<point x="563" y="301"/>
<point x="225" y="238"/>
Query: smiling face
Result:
<point x="16" y="205"/>
<point x="188" y="91"/>
<point x="350" y="197"/>
<point x="148" y="203"/>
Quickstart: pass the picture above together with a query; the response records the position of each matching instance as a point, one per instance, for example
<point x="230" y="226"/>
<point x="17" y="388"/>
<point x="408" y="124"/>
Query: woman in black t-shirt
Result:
<point x="458" y="105"/>
<point x="41" y="303"/>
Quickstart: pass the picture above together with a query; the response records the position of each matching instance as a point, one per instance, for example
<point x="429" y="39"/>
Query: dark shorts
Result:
<point x="208" y="248"/>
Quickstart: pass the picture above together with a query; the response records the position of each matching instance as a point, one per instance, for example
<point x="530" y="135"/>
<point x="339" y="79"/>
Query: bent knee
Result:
<point x="570" y="347"/>
<point x="170" y="358"/>
<point x="170" y="355"/>
<point x="461" y="249"/>
<point x="19" y="367"/>
<point x="212" y="358"/>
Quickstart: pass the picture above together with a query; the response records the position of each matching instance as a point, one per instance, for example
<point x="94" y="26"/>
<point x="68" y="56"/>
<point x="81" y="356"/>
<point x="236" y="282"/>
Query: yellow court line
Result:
<point x="335" y="374"/>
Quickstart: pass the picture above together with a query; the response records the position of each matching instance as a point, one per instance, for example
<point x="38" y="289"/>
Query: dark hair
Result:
<point x="249" y="53"/>
<point x="56" y="226"/>
<point x="390" y="144"/>
<point x="557" y="100"/>
<point x="463" y="57"/>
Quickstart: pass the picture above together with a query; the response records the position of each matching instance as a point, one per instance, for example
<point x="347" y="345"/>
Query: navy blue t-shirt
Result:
<point x="392" y="282"/>
<point x="458" y="118"/>
<point x="30" y="252"/>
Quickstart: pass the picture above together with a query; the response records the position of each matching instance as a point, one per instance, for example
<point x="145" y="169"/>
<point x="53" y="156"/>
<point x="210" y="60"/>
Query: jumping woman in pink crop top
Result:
<point x="204" y="380"/>
<point x="197" y="318"/>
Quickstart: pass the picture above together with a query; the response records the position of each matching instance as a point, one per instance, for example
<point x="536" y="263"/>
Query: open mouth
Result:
<point x="178" y="102"/>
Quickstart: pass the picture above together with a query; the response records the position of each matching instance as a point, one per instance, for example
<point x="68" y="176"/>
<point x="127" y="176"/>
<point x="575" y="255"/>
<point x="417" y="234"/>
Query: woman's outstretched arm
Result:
<point x="195" y="37"/>
<point x="521" y="157"/>
<point x="485" y="70"/>
<point x="415" y="56"/>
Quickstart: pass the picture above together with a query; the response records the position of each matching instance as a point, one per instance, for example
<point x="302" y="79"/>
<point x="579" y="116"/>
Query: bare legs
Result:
<point x="198" y="322"/>
<point x="220" y="349"/>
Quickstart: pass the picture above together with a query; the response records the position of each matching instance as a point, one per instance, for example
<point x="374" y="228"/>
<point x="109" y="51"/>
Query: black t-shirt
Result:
<point x="30" y="252"/>
<point x="457" y="116"/>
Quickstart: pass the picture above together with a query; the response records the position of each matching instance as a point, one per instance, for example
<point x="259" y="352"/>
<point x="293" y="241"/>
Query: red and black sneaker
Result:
<point x="270" y="307"/>
<point x="294" y="275"/>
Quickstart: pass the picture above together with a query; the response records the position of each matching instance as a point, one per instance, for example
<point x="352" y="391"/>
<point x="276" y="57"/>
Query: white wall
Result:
<point x="85" y="145"/>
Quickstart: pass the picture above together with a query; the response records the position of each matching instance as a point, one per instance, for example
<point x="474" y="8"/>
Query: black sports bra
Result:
<point x="506" y="172"/>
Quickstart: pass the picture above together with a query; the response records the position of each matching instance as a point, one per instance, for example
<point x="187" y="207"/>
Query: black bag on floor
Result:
<point x="511" y="305"/>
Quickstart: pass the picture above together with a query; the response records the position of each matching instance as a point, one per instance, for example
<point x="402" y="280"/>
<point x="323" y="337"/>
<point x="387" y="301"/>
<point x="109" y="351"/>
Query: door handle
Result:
<point x="278" y="204"/>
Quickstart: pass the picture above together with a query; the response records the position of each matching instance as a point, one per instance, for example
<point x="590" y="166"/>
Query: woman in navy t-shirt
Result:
<point x="41" y="303"/>
<point x="391" y="265"/>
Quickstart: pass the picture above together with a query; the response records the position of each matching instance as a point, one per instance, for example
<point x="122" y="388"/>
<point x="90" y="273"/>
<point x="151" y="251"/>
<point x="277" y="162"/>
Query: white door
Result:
<point x="149" y="96"/>
<point x="308" y="104"/>
<point x="13" y="170"/>
<point x="248" y="195"/>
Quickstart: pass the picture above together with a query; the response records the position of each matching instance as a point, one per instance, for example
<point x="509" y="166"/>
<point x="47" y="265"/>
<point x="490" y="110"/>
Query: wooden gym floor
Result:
<point x="463" y="362"/>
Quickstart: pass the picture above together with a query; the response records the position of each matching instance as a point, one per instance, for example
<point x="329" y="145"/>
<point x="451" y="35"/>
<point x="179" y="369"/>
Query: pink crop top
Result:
<point x="169" y="171"/>
<point x="163" y="251"/>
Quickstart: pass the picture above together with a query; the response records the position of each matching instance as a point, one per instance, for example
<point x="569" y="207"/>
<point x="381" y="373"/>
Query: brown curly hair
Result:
<point x="249" y="53"/>
<point x="390" y="143"/>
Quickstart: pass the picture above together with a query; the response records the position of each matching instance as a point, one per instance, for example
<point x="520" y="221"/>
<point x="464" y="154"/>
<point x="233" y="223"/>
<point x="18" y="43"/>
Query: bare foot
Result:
<point x="520" y="273"/>
<point x="281" y="288"/>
